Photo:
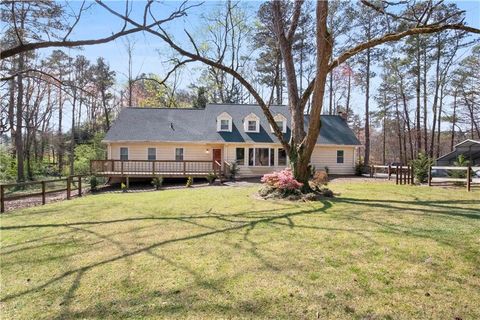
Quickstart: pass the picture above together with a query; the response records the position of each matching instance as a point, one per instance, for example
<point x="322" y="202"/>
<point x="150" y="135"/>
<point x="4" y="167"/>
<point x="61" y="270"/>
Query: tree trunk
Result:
<point x="425" y="104"/>
<point x="454" y="120"/>
<point x="367" y="111"/>
<point x="72" y="142"/>
<point x="418" y="129"/>
<point x="19" y="127"/>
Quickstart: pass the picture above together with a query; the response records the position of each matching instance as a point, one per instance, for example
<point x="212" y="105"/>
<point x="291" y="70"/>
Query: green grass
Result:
<point x="377" y="251"/>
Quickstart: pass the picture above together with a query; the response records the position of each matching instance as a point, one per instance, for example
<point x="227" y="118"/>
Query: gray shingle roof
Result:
<point x="167" y="124"/>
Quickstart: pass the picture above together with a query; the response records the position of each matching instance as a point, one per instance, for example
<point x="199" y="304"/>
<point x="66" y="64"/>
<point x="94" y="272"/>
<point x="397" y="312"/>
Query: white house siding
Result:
<point x="326" y="156"/>
<point x="323" y="156"/>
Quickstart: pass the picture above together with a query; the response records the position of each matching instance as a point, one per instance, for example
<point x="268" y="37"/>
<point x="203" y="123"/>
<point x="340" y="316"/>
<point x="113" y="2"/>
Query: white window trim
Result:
<point x="175" y="153"/>
<point x="155" y="153"/>
<point x="224" y="116"/>
<point x="280" y="117"/>
<point x="247" y="159"/>
<point x="343" y="157"/>
<point x="251" y="117"/>
<point x="120" y="153"/>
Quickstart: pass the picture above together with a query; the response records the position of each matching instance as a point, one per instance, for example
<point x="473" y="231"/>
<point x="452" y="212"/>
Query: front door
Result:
<point x="217" y="156"/>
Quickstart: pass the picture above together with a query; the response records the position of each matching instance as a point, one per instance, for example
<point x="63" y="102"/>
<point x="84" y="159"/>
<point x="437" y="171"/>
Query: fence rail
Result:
<point x="169" y="168"/>
<point x="403" y="174"/>
<point x="464" y="176"/>
<point x="43" y="187"/>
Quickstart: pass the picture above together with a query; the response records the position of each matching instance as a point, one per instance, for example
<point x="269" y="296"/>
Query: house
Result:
<point x="470" y="149"/>
<point x="144" y="142"/>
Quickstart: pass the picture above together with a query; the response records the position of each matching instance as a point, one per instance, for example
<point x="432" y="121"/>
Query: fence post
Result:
<point x="429" y="176"/>
<point x="411" y="176"/>
<point x="68" y="187"/>
<point x="2" y="200"/>
<point x="396" y="174"/>
<point x="469" y="177"/>
<point x="79" y="186"/>
<point x="43" y="192"/>
<point x="389" y="171"/>
<point x="408" y="175"/>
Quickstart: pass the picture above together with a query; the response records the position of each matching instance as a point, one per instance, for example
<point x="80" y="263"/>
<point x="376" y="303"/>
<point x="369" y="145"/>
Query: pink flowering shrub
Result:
<point x="282" y="180"/>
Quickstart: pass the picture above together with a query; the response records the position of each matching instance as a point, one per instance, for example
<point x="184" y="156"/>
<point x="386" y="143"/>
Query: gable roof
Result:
<point x="199" y="125"/>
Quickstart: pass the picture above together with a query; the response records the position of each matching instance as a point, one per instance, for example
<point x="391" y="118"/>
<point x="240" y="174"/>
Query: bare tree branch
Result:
<point x="384" y="39"/>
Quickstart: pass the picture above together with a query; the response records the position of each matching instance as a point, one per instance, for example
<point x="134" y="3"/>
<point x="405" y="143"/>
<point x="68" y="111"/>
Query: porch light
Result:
<point x="207" y="150"/>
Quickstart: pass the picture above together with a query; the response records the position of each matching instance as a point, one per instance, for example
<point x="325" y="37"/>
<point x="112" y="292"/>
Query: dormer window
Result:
<point x="281" y="122"/>
<point x="251" y="123"/>
<point x="224" y="122"/>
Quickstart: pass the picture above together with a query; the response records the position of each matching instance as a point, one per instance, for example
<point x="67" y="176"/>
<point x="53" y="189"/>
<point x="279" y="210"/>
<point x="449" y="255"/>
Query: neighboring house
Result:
<point x="209" y="139"/>
<point x="470" y="149"/>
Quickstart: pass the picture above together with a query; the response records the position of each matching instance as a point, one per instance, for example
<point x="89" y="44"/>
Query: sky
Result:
<point x="150" y="53"/>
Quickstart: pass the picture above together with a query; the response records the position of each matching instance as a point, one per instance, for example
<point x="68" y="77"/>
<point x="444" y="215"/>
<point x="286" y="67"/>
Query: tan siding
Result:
<point x="322" y="155"/>
<point x="165" y="151"/>
<point x="327" y="157"/>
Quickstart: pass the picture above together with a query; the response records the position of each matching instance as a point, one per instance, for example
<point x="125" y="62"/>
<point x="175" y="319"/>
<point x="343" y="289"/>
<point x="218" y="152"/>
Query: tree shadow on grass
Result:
<point x="246" y="221"/>
<point x="239" y="226"/>
<point x="420" y="207"/>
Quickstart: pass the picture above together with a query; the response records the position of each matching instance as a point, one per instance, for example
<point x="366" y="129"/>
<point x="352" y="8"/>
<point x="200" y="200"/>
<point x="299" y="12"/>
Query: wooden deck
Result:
<point x="154" y="168"/>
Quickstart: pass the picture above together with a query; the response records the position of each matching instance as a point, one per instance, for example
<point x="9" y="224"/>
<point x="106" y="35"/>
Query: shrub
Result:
<point x="189" y="182"/>
<point x="359" y="168"/>
<point x="320" y="178"/>
<point x="93" y="183"/>
<point x="282" y="180"/>
<point x="459" y="174"/>
<point x="327" y="169"/>
<point x="123" y="186"/>
<point x="211" y="177"/>
<point x="233" y="169"/>
<point x="421" y="165"/>
<point x="157" y="182"/>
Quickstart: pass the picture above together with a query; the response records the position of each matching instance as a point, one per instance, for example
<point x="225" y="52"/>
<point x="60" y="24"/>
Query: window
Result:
<point x="152" y="154"/>
<point x="281" y="122"/>
<point x="252" y="125"/>
<point x="260" y="157"/>
<point x="178" y="154"/>
<point x="340" y="156"/>
<point x="224" y="122"/>
<point x="123" y="153"/>
<point x="224" y="125"/>
<point x="282" y="157"/>
<point x="240" y="156"/>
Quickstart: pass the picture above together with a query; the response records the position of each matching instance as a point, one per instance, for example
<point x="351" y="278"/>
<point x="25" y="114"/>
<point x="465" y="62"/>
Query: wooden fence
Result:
<point x="69" y="181"/>
<point x="468" y="178"/>
<point x="403" y="174"/>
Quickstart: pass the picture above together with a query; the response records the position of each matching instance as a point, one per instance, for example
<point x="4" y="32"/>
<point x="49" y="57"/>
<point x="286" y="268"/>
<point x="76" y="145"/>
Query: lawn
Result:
<point x="377" y="251"/>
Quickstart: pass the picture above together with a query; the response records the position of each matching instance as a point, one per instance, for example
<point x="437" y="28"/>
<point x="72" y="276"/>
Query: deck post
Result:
<point x="469" y="178"/>
<point x="69" y="187"/>
<point x="412" y="181"/>
<point x="184" y="168"/>
<point x="153" y="168"/>
<point x="121" y="167"/>
<point x="429" y="176"/>
<point x="43" y="192"/>
<point x="79" y="186"/>
<point x="127" y="180"/>
<point x="389" y="171"/>
<point x="2" y="199"/>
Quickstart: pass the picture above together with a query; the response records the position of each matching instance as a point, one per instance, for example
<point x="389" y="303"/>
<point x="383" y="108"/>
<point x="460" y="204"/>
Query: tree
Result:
<point x="104" y="79"/>
<point x="303" y="139"/>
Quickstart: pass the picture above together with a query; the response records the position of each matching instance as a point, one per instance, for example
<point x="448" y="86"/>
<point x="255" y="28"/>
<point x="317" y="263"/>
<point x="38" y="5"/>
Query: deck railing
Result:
<point x="154" y="167"/>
